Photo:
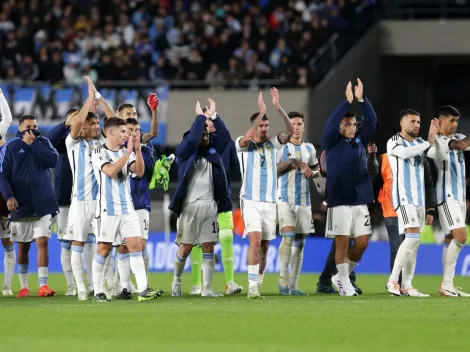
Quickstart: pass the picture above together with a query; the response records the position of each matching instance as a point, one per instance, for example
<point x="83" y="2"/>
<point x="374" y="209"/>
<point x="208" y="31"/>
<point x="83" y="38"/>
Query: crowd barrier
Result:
<point x="375" y="260"/>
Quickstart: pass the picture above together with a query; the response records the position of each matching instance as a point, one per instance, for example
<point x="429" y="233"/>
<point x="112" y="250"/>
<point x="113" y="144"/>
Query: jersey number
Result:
<point x="6" y="225"/>
<point x="146" y="225"/>
<point x="367" y="222"/>
<point x="215" y="227"/>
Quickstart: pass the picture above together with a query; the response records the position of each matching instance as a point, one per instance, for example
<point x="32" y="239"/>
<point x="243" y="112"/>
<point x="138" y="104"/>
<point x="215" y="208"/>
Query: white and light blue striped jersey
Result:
<point x="114" y="192"/>
<point x="450" y="183"/>
<point x="293" y="186"/>
<point x="408" y="173"/>
<point x="258" y="169"/>
<point x="79" y="151"/>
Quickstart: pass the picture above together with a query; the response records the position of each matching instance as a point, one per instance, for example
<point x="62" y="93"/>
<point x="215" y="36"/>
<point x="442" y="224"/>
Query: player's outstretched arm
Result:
<point x="284" y="136"/>
<point x="6" y="115"/>
<point x="331" y="131"/>
<point x="251" y="133"/>
<point x="152" y="102"/>
<point x="80" y="118"/>
<point x="460" y="144"/>
<point x="190" y="143"/>
<point x="370" y="118"/>
<point x="107" y="108"/>
<point x="287" y="165"/>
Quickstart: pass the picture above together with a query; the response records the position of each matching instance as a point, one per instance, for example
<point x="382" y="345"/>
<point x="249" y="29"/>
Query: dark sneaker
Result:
<point x="328" y="289"/>
<point x="124" y="295"/>
<point x="101" y="298"/>
<point x="358" y="290"/>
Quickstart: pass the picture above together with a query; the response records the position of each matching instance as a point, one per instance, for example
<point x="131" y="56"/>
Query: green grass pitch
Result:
<point x="374" y="321"/>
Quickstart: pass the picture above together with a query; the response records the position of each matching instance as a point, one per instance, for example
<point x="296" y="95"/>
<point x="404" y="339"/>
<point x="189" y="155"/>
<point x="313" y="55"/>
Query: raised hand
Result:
<point x="12" y="204"/>
<point x="433" y="129"/>
<point x="261" y="105"/>
<point x="211" y="110"/>
<point x="349" y="92"/>
<point x="71" y="119"/>
<point x="359" y="90"/>
<point x="275" y="97"/>
<point x="198" y="108"/>
<point x="152" y="101"/>
<point x="29" y="137"/>
<point x="130" y="144"/>
<point x="94" y="105"/>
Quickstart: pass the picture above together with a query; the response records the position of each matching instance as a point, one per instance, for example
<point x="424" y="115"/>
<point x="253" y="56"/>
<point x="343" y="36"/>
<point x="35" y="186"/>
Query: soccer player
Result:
<point x="9" y="259"/>
<point x="348" y="186"/>
<point x="450" y="194"/>
<point x="218" y="131"/>
<point x="297" y="164"/>
<point x="25" y="183"/>
<point x="127" y="110"/>
<point x="83" y="139"/>
<point x="203" y="192"/>
<point x="63" y="191"/>
<point x="406" y="152"/>
<point x="117" y="219"/>
<point x="257" y="156"/>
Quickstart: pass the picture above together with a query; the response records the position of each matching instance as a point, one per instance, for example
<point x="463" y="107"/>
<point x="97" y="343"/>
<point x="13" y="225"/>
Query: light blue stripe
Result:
<point x="310" y="162"/>
<point x="81" y="170"/>
<point x="122" y="191"/>
<point x="22" y="268"/>
<point x="145" y="252"/>
<point x="285" y="177"/>
<point x="407" y="176"/>
<point x="94" y="181"/>
<point x="273" y="173"/>
<point x="411" y="235"/>
<point x="66" y="244"/>
<point x="453" y="177"/>
<point x="298" y="179"/>
<point x="462" y="179"/>
<point x="253" y="277"/>
<point x="123" y="256"/>
<point x="249" y="172"/>
<point x="77" y="249"/>
<point x="99" y="259"/>
<point x="207" y="255"/>
<point x="180" y="259"/>
<point x="288" y="234"/>
<point x="263" y="176"/>
<point x="90" y="238"/>
<point x="418" y="179"/>
<point x="109" y="193"/>
<point x="136" y="254"/>
<point x="9" y="249"/>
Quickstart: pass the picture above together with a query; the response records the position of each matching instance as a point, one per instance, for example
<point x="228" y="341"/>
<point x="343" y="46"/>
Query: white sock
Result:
<point x="124" y="267"/>
<point x="408" y="271"/>
<point x="444" y="261"/>
<point x="43" y="275"/>
<point x="9" y="262"/>
<point x="77" y="267"/>
<point x="138" y="268"/>
<point x="296" y="262"/>
<point x="66" y="261"/>
<point x="179" y="264"/>
<point x="285" y="252"/>
<point x="343" y="274"/>
<point x="208" y="264"/>
<point x="260" y="280"/>
<point x="405" y="253"/>
<point x="253" y="275"/>
<point x="451" y="260"/>
<point x="145" y="255"/>
<point x="88" y="254"/>
<point x="108" y="272"/>
<point x="98" y="273"/>
<point x="23" y="274"/>
<point x="352" y="265"/>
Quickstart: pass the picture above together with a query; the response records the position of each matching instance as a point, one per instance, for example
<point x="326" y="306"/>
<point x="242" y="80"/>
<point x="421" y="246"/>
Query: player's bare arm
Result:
<point x="287" y="165"/>
<point x="152" y="102"/>
<point x="462" y="144"/>
<point x="138" y="167"/>
<point x="284" y="135"/>
<point x="107" y="108"/>
<point x="251" y="133"/>
<point x="113" y="169"/>
<point x="80" y="118"/>
<point x="310" y="171"/>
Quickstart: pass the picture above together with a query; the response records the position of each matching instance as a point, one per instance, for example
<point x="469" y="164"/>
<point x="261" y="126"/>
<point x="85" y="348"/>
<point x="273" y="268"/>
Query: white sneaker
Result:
<point x="211" y="293"/>
<point x="253" y="293"/>
<point x="349" y="291"/>
<point x="412" y="292"/>
<point x="82" y="295"/>
<point x="337" y="283"/>
<point x="460" y="293"/>
<point x="196" y="291"/>
<point x="447" y="291"/>
<point x="176" y="289"/>
<point x="6" y="291"/>
<point x="71" y="291"/>
<point x="233" y="289"/>
<point x="393" y="288"/>
<point x="133" y="289"/>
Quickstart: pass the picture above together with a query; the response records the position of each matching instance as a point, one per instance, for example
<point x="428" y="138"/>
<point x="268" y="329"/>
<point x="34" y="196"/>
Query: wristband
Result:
<point x="97" y="95"/>
<point x="214" y="116"/>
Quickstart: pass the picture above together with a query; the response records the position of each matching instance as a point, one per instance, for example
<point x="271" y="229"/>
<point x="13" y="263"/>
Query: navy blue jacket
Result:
<point x="25" y="175"/>
<point x="63" y="177"/>
<point x="347" y="179"/>
<point x="186" y="155"/>
<point x="140" y="191"/>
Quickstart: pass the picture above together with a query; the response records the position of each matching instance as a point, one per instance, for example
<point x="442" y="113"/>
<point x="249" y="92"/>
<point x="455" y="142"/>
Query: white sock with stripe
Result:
<point x="451" y="260"/>
<point x="405" y="252"/>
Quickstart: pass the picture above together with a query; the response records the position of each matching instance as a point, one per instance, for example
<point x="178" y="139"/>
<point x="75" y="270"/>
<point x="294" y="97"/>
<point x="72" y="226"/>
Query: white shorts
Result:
<point x="198" y="223"/>
<point x="259" y="217"/>
<point x="62" y="221"/>
<point x="80" y="220"/>
<point x="348" y="220"/>
<point x="28" y="229"/>
<point x="297" y="216"/>
<point x="144" y="220"/>
<point x="452" y="215"/>
<point x="116" y="228"/>
<point x="5" y="228"/>
<point x="410" y="216"/>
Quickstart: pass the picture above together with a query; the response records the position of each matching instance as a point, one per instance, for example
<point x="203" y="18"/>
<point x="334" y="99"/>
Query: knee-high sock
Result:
<point x="77" y="267"/>
<point x="98" y="272"/>
<point x="296" y="261"/>
<point x="404" y="254"/>
<point x="9" y="262"/>
<point x="124" y="267"/>
<point x="196" y="262"/>
<point x="145" y="255"/>
<point x="138" y="268"/>
<point x="226" y="245"/>
<point x="285" y="253"/>
<point x="108" y="271"/>
<point x="180" y="262"/>
<point x="66" y="261"/>
<point x="208" y="264"/>
<point x="452" y="255"/>
<point x="88" y="254"/>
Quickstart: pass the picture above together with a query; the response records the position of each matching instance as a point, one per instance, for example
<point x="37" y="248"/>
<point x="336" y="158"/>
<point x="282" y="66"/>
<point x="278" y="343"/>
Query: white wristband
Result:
<point x="213" y="117"/>
<point x="97" y="95"/>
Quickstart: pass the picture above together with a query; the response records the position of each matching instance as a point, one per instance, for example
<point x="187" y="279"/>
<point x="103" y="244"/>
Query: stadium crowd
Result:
<point x="61" y="41"/>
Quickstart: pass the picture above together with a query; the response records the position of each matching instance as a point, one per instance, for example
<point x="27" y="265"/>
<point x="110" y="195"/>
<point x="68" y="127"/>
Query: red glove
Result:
<point x="152" y="101"/>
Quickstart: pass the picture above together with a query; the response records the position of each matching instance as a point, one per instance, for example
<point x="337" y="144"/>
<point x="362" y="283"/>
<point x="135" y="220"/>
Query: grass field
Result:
<point x="374" y="321"/>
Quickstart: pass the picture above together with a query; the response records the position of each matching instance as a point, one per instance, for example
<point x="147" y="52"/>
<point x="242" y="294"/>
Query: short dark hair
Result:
<point x="92" y="115"/>
<point x="349" y="115"/>
<point x="407" y="112"/>
<point x="114" y="122"/>
<point x="70" y="112"/>
<point x="132" y="121"/>
<point x="448" y="111"/>
<point x="255" y="115"/>
<point x="293" y="114"/>
<point x="125" y="106"/>
<point x="26" y="117"/>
